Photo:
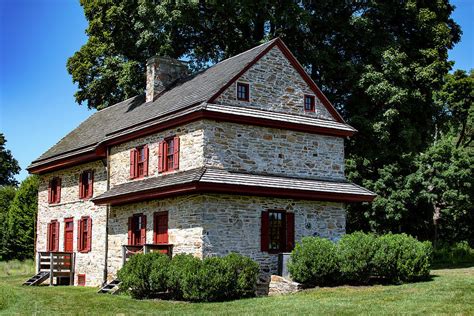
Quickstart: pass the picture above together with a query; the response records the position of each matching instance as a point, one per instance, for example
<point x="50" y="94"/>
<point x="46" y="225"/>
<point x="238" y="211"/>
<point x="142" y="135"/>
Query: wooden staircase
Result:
<point x="37" y="279"/>
<point x="110" y="288"/>
<point x="55" y="265"/>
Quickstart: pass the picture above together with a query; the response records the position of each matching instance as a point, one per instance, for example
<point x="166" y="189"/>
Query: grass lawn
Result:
<point x="451" y="291"/>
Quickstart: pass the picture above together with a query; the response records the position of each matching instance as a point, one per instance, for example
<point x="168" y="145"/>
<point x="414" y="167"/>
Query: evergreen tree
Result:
<point x="8" y="165"/>
<point x="7" y="194"/>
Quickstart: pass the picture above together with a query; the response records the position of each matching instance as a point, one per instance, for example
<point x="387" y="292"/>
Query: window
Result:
<point x="309" y="103"/>
<point x="168" y="154"/>
<point x="137" y="230"/>
<point x="52" y="240"/>
<point x="86" y="181"/>
<point x="139" y="162"/>
<point x="81" y="279"/>
<point x="68" y="234"/>
<point x="160" y="228"/>
<point x="277" y="231"/>
<point x="243" y="91"/>
<point x="54" y="190"/>
<point x="84" y="234"/>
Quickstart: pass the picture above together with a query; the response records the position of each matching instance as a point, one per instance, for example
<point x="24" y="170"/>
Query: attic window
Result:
<point x="309" y="103"/>
<point x="243" y="91"/>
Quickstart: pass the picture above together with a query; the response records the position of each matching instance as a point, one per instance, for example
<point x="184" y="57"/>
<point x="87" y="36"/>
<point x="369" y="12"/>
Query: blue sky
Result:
<point x="37" y="104"/>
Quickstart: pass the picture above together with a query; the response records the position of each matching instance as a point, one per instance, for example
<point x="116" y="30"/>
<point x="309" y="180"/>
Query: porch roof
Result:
<point x="212" y="180"/>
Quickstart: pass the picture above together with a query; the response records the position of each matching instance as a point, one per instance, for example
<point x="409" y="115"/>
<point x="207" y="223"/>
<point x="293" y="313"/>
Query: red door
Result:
<point x="161" y="229"/>
<point x="68" y="234"/>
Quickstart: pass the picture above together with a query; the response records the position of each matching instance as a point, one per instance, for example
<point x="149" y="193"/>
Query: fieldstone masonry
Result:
<point x="275" y="86"/>
<point x="273" y="151"/>
<point x="92" y="263"/>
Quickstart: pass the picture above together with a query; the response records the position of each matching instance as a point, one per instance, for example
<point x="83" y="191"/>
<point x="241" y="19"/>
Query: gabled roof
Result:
<point x="126" y="116"/>
<point x="202" y="180"/>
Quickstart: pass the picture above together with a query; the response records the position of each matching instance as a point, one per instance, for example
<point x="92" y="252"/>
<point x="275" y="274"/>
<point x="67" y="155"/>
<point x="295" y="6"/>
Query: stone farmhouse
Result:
<point x="246" y="156"/>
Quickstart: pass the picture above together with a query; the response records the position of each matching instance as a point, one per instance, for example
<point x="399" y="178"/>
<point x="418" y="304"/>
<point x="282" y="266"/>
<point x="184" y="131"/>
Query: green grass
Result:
<point x="451" y="291"/>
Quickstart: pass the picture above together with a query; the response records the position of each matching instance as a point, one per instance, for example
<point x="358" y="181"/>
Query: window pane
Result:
<point x="276" y="230"/>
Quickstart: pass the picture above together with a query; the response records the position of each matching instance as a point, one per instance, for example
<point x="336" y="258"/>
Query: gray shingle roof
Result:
<point x="195" y="89"/>
<point x="220" y="176"/>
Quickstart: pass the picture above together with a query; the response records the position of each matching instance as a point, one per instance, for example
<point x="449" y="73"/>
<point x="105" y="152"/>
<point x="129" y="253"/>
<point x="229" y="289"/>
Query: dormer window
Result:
<point x="86" y="182"/>
<point x="54" y="190"/>
<point x="309" y="103"/>
<point x="243" y="91"/>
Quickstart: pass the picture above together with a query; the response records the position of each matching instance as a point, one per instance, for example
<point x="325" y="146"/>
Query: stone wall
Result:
<point x="91" y="263"/>
<point x="273" y="151"/>
<point x="184" y="226"/>
<point x="275" y="86"/>
<point x="215" y="225"/>
<point x="190" y="155"/>
<point x="232" y="224"/>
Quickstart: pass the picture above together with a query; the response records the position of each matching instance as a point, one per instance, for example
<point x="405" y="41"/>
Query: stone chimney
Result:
<point x="162" y="72"/>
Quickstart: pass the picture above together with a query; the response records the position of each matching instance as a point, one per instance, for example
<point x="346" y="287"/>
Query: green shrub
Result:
<point x="246" y="273"/>
<point x="182" y="268"/>
<point x="355" y="253"/>
<point x="145" y="275"/>
<point x="401" y="258"/>
<point x="314" y="262"/>
<point x="217" y="278"/>
<point x="458" y="253"/>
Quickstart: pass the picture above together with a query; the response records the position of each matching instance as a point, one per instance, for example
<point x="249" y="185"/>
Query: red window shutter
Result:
<point x="160" y="229"/>
<point x="176" y="153"/>
<point x="56" y="237"/>
<point x="58" y="190"/>
<point x="79" y="235"/>
<point x="48" y="238"/>
<point x="89" y="234"/>
<point x="143" y="230"/>
<point x="91" y="184"/>
<point x="81" y="188"/>
<point x="145" y="163"/>
<point x="130" y="229"/>
<point x="290" y="231"/>
<point x="161" y="153"/>
<point x="50" y="200"/>
<point x="133" y="163"/>
<point x="264" y="233"/>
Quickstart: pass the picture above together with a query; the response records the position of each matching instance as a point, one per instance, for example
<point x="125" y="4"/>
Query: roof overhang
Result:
<point x="223" y="182"/>
<point x="225" y="113"/>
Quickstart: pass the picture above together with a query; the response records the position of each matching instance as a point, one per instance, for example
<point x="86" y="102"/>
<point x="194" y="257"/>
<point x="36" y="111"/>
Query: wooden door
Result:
<point x="161" y="228"/>
<point x="68" y="234"/>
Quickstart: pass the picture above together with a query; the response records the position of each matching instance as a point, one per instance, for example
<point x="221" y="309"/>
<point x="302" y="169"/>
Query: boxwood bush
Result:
<point x="188" y="278"/>
<point x="359" y="258"/>
<point x="355" y="255"/>
<point x="314" y="262"/>
<point x="144" y="276"/>
<point x="401" y="258"/>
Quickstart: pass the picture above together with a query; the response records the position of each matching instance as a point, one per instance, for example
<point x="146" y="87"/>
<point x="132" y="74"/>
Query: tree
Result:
<point x="380" y="62"/>
<point x="21" y="221"/>
<point x="8" y="165"/>
<point x="7" y="194"/>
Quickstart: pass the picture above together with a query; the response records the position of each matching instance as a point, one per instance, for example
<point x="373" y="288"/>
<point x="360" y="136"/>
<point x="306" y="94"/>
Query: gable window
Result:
<point x="168" y="154"/>
<point x="86" y="181"/>
<point x="243" y="91"/>
<point x="137" y="230"/>
<point x="309" y="103"/>
<point x="52" y="240"/>
<point x="54" y="190"/>
<point x="277" y="231"/>
<point x="139" y="162"/>
<point x="84" y="234"/>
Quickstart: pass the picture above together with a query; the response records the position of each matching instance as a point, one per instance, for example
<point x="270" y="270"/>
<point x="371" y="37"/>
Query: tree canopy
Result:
<point x="383" y="64"/>
<point x="8" y="165"/>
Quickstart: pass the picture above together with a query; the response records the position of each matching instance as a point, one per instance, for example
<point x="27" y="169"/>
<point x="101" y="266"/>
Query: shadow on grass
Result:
<point x="451" y="265"/>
